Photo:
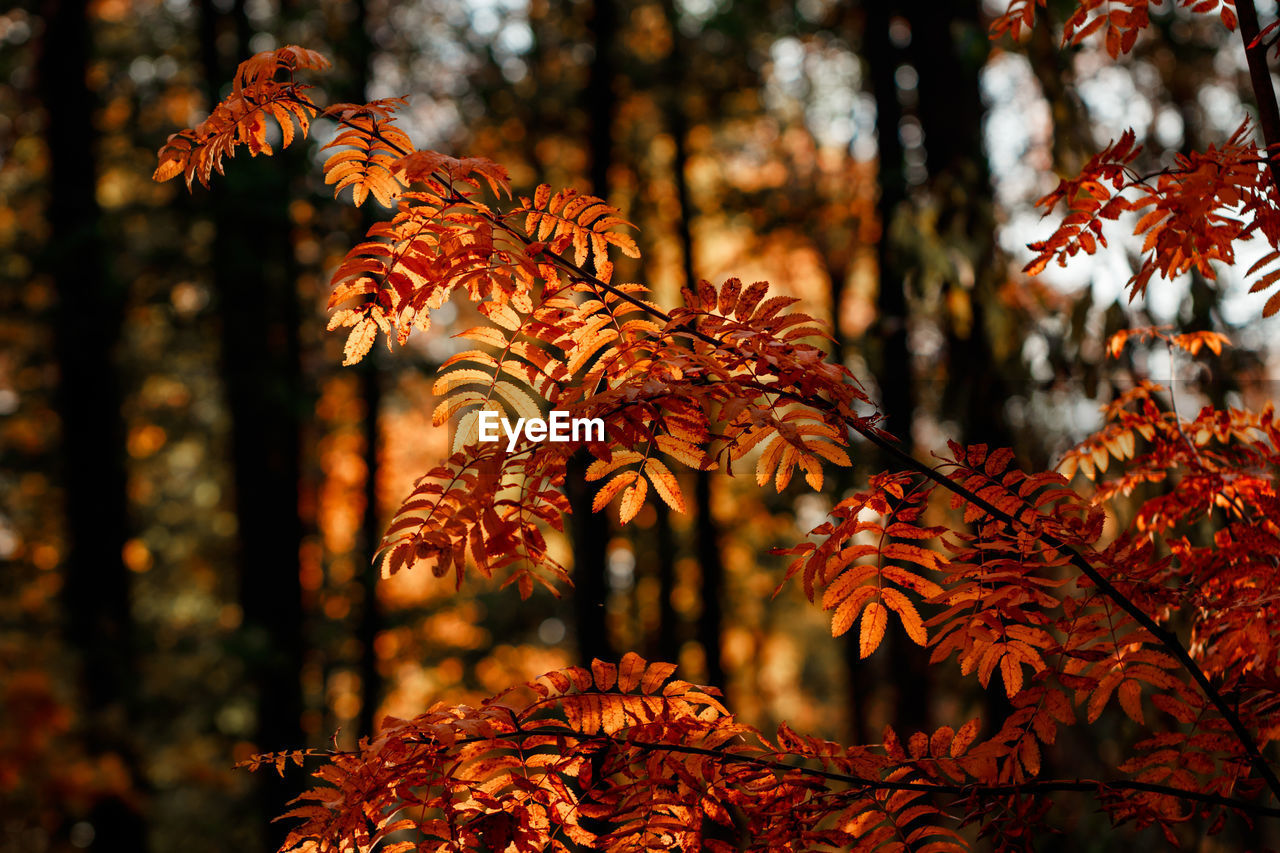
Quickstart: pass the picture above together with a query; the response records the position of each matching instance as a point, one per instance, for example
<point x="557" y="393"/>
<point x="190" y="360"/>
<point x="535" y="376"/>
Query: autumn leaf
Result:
<point x="633" y="500"/>
<point x="665" y="484"/>
<point x="875" y="618"/>
<point x="1013" y="573"/>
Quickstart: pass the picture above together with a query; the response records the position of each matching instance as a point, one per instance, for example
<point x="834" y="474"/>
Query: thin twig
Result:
<point x="864" y="784"/>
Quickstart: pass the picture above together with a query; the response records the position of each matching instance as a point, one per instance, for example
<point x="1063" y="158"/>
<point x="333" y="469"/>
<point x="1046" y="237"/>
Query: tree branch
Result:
<point x="1270" y="112"/>
<point x="1255" y="51"/>
<point x="860" y="783"/>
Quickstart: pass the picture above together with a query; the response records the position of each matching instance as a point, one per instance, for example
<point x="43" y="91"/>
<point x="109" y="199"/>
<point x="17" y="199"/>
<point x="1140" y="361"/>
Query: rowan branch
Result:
<point x="1255" y="51"/>
<point x="1270" y="119"/>
<point x="1166" y="638"/>
<point x="864" y="785"/>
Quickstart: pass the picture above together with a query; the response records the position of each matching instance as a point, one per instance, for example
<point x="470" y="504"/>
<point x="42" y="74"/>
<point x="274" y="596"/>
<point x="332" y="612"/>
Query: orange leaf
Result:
<point x="665" y="484"/>
<point x="1131" y="700"/>
<point x="605" y="674"/>
<point x="849" y="609"/>
<point x="1011" y="673"/>
<point x="1029" y="755"/>
<point x="360" y="341"/>
<point x="630" y="671"/>
<point x="633" y="499"/>
<point x="654" y="675"/>
<point x="965" y="737"/>
<point x="906" y="611"/>
<point x="611" y="488"/>
<point x="874" y="620"/>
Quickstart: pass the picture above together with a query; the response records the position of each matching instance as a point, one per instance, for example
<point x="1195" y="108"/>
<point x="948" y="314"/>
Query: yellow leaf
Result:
<point x="170" y="166"/>
<point x="1067" y="467"/>
<point x="849" y="580"/>
<point x="786" y="465"/>
<point x="911" y="580"/>
<point x="613" y="716"/>
<point x="654" y="676"/>
<point x="1087" y="466"/>
<point x="475" y="355"/>
<point x="450" y="405"/>
<point x="812" y="471"/>
<point x="589" y="720"/>
<point x="587" y="347"/>
<point x="829" y="452"/>
<point x="747" y="440"/>
<point x="502" y="314"/>
<point x="468" y="429"/>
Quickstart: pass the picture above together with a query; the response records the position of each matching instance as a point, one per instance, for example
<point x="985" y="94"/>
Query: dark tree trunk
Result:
<point x="889" y="353"/>
<point x="95" y="583"/>
<point x="711" y="623"/>
<point x="1053" y="70"/>
<point x="255" y="282"/>
<point x="361" y="52"/>
<point x="591" y="531"/>
<point x="891" y="359"/>
<point x="669" y="627"/>
<point x="706" y="535"/>
<point x="590" y="593"/>
<point x="949" y="48"/>
<point x="371" y="533"/>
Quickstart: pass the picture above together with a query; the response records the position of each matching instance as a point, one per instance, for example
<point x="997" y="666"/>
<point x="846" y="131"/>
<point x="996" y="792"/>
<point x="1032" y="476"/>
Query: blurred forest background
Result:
<point x="191" y="487"/>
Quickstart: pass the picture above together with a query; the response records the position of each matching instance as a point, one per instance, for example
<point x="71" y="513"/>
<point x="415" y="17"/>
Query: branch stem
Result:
<point x="1255" y="51"/>
<point x="1270" y="113"/>
<point x="1041" y="786"/>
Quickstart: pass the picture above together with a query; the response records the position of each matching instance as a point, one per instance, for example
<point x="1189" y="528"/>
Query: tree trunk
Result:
<point x="706" y="535"/>
<point x="95" y="582"/>
<point x="591" y="531"/>
<point x="255" y="282"/>
<point x="889" y="355"/>
<point x="891" y="359"/>
<point x="949" y="48"/>
<point x="370" y="378"/>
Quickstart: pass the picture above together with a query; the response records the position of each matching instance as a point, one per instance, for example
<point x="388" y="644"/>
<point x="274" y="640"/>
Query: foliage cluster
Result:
<point x="1020" y="580"/>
